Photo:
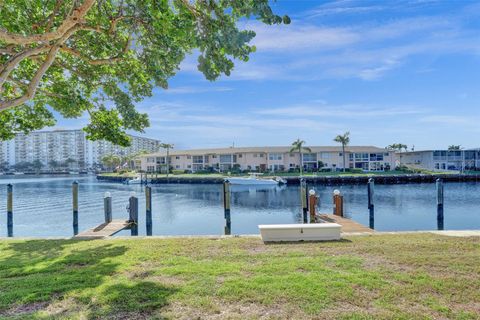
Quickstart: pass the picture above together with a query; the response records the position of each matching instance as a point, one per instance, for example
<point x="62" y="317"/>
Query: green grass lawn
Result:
<point x="417" y="276"/>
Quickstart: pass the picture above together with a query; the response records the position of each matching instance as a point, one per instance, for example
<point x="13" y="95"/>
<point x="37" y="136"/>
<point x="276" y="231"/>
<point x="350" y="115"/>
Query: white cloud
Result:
<point x="377" y="72"/>
<point x="451" y="120"/>
<point x="366" y="50"/>
<point x="298" y="36"/>
<point x="192" y="89"/>
<point x="342" y="111"/>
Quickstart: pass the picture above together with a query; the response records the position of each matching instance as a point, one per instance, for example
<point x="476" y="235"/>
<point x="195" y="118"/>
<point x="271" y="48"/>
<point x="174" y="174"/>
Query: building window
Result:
<point x="274" y="156"/>
<point x="189" y="157"/>
<point x="361" y="157"/>
<point x="197" y="159"/>
<point x="214" y="156"/>
<point x="292" y="155"/>
<point x="150" y="160"/>
<point x="225" y="158"/>
<point x="177" y="157"/>
<point x="177" y="167"/>
<point x="376" y="156"/>
<point x="189" y="166"/>
<point x="240" y="155"/>
<point x="310" y="157"/>
<point x="261" y="155"/>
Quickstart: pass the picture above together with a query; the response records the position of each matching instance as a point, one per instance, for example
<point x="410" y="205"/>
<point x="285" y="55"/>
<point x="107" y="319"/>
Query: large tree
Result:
<point x="398" y="147"/>
<point x="101" y="56"/>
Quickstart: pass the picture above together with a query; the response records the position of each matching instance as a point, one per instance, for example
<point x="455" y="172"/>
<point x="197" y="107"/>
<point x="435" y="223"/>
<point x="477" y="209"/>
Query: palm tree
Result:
<point x="53" y="164"/>
<point x="111" y="161"/>
<point x="344" y="139"/>
<point x="37" y="165"/>
<point x="454" y="147"/>
<point x="167" y="146"/>
<point x="297" y="146"/>
<point x="130" y="158"/>
<point x="69" y="162"/>
<point x="398" y="147"/>
<point x="4" y="165"/>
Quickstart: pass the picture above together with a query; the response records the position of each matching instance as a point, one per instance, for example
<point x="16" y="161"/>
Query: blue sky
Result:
<point x="403" y="71"/>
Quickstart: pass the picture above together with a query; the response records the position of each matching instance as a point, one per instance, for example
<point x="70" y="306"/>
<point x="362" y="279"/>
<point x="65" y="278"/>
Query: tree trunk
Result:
<point x="343" y="153"/>
<point x="301" y="163"/>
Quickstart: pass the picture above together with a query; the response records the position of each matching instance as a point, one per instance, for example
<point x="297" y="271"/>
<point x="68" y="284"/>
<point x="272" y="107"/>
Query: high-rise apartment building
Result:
<point x="54" y="147"/>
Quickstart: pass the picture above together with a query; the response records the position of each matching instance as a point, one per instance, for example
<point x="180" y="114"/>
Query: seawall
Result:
<point x="324" y="180"/>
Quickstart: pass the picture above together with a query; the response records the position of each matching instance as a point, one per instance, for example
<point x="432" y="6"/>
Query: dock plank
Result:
<point x="348" y="225"/>
<point x="104" y="230"/>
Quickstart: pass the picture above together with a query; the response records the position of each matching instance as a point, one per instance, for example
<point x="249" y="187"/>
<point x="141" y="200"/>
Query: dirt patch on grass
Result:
<point x="23" y="309"/>
<point x="225" y="310"/>
<point x="374" y="262"/>
<point x="166" y="280"/>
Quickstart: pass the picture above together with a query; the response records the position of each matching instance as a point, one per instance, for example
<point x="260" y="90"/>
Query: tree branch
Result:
<point x="74" y="18"/>
<point x="15" y="60"/>
<point x="32" y="87"/>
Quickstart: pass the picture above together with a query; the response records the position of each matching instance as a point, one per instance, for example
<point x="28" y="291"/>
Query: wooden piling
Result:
<point x="148" y="206"/>
<point x="303" y="199"/>
<point x="371" y="206"/>
<point x="133" y="214"/>
<point x="312" y="202"/>
<point x="440" y="198"/>
<point x="10" y="210"/>
<point x="107" y="206"/>
<point x="226" y="207"/>
<point x="75" y="206"/>
<point x="337" y="203"/>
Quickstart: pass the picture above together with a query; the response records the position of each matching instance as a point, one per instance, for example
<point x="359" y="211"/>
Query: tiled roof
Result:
<point x="280" y="149"/>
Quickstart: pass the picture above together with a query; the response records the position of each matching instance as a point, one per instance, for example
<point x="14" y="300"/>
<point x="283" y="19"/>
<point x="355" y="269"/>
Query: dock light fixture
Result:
<point x="336" y="192"/>
<point x="107" y="195"/>
<point x="311" y="192"/>
<point x="133" y="194"/>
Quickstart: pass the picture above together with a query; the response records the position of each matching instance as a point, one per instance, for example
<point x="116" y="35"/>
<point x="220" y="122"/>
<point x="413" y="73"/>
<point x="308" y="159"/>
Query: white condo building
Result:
<point x="366" y="158"/>
<point x="60" y="146"/>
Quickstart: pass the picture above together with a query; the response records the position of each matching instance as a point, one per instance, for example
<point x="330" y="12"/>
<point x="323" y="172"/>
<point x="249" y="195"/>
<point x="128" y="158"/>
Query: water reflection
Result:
<point x="43" y="207"/>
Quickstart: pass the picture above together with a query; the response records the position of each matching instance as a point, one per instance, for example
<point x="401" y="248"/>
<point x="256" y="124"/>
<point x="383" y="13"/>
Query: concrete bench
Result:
<point x="300" y="232"/>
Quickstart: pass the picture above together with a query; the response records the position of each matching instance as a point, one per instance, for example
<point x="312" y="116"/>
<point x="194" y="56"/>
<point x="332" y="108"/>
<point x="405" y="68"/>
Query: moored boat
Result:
<point x="255" y="180"/>
<point x="135" y="180"/>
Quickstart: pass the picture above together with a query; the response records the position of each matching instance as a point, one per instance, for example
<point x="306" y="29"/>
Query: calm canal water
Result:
<point x="42" y="206"/>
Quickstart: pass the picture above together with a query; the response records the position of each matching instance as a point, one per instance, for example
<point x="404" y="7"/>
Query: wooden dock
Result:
<point x="104" y="230"/>
<point x="348" y="225"/>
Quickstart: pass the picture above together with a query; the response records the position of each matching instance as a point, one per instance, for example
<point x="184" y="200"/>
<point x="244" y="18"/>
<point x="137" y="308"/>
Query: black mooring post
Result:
<point x="148" y="206"/>
<point x="303" y="199"/>
<point x="10" y="210"/>
<point x="371" y="206"/>
<point x="107" y="207"/>
<point x="133" y="214"/>
<point x="226" y="207"/>
<point x="75" y="206"/>
<point x="440" y="196"/>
